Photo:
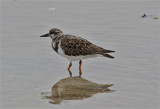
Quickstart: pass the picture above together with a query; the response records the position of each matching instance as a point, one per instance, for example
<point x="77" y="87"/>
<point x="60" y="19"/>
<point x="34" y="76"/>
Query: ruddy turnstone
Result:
<point x="75" y="48"/>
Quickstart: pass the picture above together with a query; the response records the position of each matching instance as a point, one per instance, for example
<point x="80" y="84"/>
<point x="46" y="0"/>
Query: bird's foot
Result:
<point x="70" y="73"/>
<point x="80" y="74"/>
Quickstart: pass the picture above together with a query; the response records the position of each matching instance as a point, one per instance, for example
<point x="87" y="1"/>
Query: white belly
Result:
<point x="75" y="58"/>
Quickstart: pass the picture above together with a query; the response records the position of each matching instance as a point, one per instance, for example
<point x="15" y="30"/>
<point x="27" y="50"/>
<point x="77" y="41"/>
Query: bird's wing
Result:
<point x="75" y="46"/>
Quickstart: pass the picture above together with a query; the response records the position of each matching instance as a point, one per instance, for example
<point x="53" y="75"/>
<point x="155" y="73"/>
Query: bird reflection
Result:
<point x="75" y="88"/>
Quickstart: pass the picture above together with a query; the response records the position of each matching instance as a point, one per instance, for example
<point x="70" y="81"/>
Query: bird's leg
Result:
<point x="80" y="71"/>
<point x="70" y="73"/>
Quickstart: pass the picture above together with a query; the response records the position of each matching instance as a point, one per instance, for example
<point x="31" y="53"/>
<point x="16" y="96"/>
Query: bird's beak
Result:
<point x="45" y="35"/>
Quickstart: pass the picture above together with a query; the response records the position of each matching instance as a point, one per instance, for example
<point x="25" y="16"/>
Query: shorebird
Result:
<point x="75" y="48"/>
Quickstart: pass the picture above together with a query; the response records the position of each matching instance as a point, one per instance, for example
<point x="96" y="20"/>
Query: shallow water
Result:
<point x="29" y="66"/>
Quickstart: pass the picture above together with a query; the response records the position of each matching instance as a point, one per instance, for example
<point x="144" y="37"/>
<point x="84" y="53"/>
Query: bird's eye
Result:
<point x="51" y="32"/>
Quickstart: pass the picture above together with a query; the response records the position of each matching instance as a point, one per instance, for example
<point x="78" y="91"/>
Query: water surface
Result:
<point x="29" y="66"/>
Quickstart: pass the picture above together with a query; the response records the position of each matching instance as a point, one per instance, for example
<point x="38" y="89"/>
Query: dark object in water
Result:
<point x="144" y="16"/>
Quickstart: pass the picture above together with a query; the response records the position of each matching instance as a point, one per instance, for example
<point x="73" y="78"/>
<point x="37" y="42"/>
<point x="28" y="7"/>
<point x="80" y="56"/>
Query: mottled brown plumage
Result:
<point x="75" y="46"/>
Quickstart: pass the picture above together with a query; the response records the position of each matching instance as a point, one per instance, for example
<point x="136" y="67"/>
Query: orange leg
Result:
<point x="70" y="73"/>
<point x="80" y="71"/>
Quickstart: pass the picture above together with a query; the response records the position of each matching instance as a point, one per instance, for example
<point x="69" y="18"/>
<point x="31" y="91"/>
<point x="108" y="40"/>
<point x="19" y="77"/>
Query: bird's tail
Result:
<point x="107" y="55"/>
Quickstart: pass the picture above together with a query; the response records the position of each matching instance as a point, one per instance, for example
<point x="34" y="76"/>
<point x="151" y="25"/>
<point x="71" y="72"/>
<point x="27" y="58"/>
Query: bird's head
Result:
<point x="53" y="33"/>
